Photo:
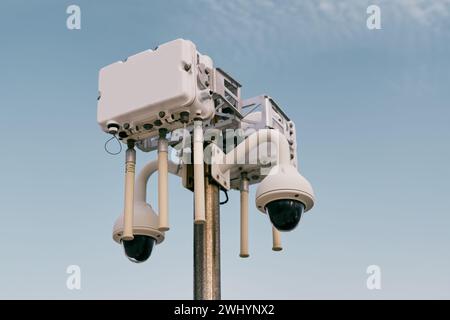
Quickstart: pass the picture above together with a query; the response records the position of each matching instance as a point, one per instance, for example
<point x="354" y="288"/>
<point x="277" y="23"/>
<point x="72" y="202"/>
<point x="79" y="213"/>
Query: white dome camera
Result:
<point x="284" y="195"/>
<point x="145" y="231"/>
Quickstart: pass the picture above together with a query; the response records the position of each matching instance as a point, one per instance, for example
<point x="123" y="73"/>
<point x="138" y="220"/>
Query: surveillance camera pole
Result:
<point x="207" y="246"/>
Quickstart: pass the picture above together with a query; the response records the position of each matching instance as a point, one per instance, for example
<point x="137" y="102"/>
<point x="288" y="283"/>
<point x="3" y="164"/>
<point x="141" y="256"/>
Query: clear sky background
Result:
<point x="372" y="110"/>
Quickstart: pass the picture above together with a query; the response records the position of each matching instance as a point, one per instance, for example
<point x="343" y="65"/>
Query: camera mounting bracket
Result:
<point x="217" y="158"/>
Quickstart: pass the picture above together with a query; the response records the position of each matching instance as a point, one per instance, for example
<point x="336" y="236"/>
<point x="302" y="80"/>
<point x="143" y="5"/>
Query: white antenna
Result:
<point x="130" y="167"/>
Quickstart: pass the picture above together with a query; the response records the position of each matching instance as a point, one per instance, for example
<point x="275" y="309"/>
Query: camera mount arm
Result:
<point x="223" y="163"/>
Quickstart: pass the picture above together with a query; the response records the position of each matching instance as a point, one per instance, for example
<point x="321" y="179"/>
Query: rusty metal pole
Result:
<point x="207" y="247"/>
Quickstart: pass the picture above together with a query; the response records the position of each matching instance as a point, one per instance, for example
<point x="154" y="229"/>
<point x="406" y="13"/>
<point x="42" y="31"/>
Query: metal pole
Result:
<point x="207" y="247"/>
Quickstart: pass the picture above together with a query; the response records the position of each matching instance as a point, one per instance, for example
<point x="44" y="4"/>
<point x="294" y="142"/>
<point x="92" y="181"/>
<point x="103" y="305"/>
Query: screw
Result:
<point x="187" y="67"/>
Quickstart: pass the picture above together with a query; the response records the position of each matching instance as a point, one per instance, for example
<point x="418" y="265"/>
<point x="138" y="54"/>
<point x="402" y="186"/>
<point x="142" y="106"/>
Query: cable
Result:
<point x="226" y="195"/>
<point x="120" y="146"/>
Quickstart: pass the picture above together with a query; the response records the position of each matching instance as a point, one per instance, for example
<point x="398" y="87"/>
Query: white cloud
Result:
<point x="422" y="11"/>
<point x="425" y="12"/>
<point x="249" y="23"/>
<point x="262" y="15"/>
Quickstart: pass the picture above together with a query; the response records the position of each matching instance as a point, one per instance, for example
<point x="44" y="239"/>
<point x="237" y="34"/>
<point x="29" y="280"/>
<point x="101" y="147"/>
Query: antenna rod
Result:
<point x="199" y="170"/>
<point x="130" y="168"/>
<point x="244" y="216"/>
<point x="276" y="236"/>
<point x="163" y="178"/>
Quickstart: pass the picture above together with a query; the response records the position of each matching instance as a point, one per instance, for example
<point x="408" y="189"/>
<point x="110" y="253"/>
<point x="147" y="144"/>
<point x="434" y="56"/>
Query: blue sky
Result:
<point x="372" y="114"/>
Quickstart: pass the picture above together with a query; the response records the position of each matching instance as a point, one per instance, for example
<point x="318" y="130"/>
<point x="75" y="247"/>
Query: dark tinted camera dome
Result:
<point x="285" y="214"/>
<point x="139" y="249"/>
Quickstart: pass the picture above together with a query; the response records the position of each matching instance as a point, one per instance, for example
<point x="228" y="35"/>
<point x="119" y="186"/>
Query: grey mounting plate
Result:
<point x="217" y="158"/>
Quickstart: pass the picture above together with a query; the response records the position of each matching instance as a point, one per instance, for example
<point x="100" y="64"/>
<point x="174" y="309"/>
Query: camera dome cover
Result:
<point x="284" y="182"/>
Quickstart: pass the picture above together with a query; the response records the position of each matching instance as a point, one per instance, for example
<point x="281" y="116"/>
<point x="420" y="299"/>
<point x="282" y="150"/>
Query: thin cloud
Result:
<point x="425" y="12"/>
<point x="253" y="21"/>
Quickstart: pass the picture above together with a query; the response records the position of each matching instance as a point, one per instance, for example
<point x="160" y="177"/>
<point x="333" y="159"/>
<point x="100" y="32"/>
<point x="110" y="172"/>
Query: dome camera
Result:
<point x="284" y="195"/>
<point x="145" y="231"/>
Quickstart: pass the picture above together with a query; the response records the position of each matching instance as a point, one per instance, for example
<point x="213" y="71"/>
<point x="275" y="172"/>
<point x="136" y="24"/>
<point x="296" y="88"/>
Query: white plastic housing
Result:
<point x="267" y="114"/>
<point x="145" y="222"/>
<point x="284" y="182"/>
<point x="148" y="90"/>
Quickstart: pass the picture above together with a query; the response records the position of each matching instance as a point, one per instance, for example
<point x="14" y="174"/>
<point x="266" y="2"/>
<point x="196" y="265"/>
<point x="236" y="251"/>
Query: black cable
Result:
<point x="106" y="146"/>
<point x="226" y="195"/>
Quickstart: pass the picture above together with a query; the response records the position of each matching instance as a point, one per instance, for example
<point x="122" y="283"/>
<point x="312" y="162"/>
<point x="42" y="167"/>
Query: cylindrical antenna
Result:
<point x="130" y="168"/>
<point x="276" y="240"/>
<point x="199" y="171"/>
<point x="163" y="177"/>
<point x="244" y="216"/>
